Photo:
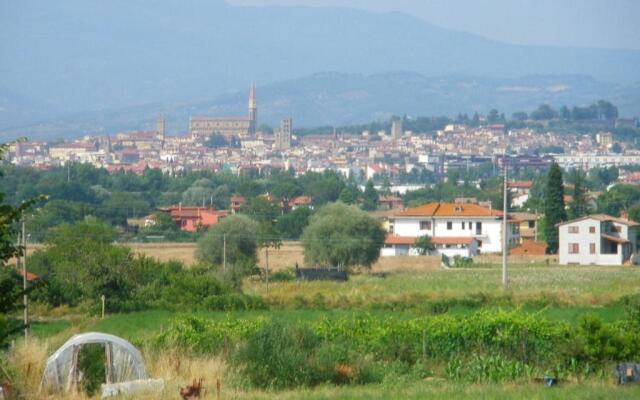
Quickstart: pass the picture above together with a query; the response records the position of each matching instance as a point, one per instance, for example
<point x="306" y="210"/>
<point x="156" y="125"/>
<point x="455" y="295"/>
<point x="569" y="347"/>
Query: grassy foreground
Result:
<point x="178" y="369"/>
<point x="560" y="293"/>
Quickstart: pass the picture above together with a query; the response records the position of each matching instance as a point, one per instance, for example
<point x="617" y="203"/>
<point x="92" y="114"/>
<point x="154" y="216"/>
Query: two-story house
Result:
<point x="597" y="239"/>
<point x="190" y="219"/>
<point x="463" y="229"/>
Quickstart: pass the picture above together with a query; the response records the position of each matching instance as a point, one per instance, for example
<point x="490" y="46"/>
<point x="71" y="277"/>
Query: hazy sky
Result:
<point x="580" y="23"/>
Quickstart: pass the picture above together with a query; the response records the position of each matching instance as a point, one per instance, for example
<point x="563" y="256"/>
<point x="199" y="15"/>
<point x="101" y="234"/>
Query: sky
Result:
<point x="573" y="23"/>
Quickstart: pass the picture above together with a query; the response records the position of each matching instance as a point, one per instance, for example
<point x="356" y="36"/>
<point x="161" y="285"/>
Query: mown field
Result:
<point x="396" y="288"/>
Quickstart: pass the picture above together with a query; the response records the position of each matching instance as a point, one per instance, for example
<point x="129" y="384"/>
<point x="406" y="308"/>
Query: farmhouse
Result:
<point x="190" y="219"/>
<point x="597" y="240"/>
<point x="464" y="229"/>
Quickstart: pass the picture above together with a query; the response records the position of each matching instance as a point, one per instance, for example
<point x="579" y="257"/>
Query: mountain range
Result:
<point x="342" y="99"/>
<point x="72" y="62"/>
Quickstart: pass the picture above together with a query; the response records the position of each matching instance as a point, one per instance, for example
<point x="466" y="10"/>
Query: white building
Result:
<point x="456" y="229"/>
<point x="588" y="161"/>
<point x="597" y="240"/>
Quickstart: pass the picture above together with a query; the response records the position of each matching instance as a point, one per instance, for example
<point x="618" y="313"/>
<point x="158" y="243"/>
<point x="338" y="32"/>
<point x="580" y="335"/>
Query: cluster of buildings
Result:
<point x="467" y="229"/>
<point x="362" y="155"/>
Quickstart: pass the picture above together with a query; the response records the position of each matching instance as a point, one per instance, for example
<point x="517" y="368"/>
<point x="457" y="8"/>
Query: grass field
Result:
<point x="399" y="286"/>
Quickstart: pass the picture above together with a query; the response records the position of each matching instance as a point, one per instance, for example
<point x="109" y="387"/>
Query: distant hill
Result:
<point x="93" y="55"/>
<point x="343" y="99"/>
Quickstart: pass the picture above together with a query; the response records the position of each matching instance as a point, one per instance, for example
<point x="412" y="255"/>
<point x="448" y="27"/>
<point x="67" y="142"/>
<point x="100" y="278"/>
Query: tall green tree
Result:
<point x="342" y="235"/>
<point x="350" y="194"/>
<point x="291" y="225"/>
<point x="578" y="206"/>
<point x="238" y="234"/>
<point x="370" y="197"/>
<point x="554" y="207"/>
<point x="11" y="290"/>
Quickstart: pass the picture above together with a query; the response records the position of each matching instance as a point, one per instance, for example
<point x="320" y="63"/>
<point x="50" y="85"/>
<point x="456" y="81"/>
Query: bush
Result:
<point x="282" y="276"/>
<point x="279" y="356"/>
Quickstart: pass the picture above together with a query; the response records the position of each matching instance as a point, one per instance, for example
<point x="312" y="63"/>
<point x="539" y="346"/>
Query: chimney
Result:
<point x="180" y="206"/>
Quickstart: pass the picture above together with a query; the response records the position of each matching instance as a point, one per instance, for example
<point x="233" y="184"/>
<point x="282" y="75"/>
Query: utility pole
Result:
<point x="224" y="252"/>
<point x="505" y="246"/>
<point x="24" y="280"/>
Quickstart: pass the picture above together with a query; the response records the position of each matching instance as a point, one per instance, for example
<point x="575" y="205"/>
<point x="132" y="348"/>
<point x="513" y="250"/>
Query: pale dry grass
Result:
<point x="183" y="252"/>
<point x="28" y="359"/>
<point x="291" y="252"/>
<point x="285" y="257"/>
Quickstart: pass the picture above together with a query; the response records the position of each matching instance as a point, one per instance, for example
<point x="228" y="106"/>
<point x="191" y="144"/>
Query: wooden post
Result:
<point x="103" y="301"/>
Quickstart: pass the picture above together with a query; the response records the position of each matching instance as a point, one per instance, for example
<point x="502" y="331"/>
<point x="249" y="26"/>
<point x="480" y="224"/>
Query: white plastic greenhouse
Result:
<point x="124" y="365"/>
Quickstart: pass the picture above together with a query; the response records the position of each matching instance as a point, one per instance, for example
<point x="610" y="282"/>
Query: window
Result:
<point x="449" y="225"/>
<point x="479" y="243"/>
<point x="532" y="224"/>
<point x="592" y="248"/>
<point x="616" y="229"/>
<point x="470" y="226"/>
<point x="574" y="229"/>
<point x="478" y="228"/>
<point x="574" y="248"/>
<point x="592" y="229"/>
<point x="462" y="225"/>
<point x="425" y="225"/>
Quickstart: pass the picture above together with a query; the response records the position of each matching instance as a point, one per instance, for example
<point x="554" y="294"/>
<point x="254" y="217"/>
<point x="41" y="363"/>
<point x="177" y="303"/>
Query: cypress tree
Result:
<point x="554" y="211"/>
<point x="578" y="206"/>
<point x="370" y="197"/>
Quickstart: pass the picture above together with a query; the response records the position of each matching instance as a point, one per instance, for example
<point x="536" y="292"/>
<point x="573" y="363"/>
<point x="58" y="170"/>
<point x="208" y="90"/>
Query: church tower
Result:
<point x="253" y="110"/>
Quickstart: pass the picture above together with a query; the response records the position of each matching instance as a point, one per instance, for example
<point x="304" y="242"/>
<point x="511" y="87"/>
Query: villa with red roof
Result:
<point x="190" y="219"/>
<point x="463" y="229"/>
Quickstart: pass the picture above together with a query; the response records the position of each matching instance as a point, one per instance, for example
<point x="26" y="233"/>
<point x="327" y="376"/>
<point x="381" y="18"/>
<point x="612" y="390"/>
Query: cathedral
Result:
<point x="202" y="127"/>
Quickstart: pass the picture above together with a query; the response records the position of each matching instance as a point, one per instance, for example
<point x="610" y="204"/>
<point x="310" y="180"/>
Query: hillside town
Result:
<point x="237" y="144"/>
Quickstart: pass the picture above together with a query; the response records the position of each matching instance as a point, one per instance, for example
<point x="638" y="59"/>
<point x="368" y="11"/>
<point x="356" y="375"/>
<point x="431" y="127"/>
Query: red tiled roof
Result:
<point x="394" y="239"/>
<point x="449" y="210"/>
<point x="452" y="240"/>
<point x="521" y="184"/>
<point x="389" y="198"/>
<point x="425" y="210"/>
<point x="302" y="201"/>
<point x="31" y="277"/>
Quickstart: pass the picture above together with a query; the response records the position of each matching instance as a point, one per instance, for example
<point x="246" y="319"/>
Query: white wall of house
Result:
<point x="580" y="242"/>
<point x="490" y="233"/>
<point x="449" y="251"/>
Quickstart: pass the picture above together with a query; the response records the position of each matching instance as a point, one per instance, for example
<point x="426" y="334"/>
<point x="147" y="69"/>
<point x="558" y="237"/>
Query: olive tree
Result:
<point x="342" y="235"/>
<point x="236" y="236"/>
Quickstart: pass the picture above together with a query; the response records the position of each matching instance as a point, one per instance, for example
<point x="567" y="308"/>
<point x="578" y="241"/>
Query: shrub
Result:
<point x="282" y="276"/>
<point x="278" y="356"/>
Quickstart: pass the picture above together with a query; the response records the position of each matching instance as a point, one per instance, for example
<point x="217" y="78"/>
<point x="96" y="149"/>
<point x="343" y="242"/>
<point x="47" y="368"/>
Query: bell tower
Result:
<point x="253" y="110"/>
